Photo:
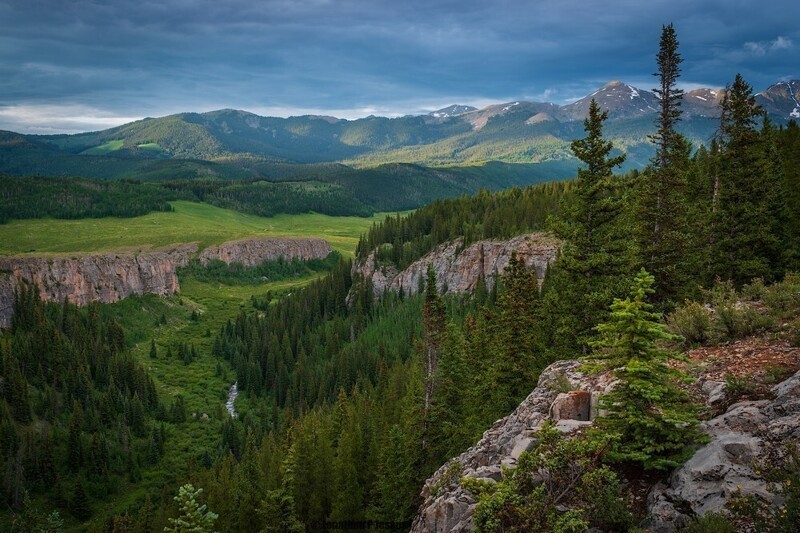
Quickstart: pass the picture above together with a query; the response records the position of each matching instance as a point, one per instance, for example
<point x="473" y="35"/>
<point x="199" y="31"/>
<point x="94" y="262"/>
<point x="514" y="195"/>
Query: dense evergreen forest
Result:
<point x="336" y="191"/>
<point x="71" y="198"/>
<point x="352" y="401"/>
<point x="217" y="271"/>
<point x="80" y="417"/>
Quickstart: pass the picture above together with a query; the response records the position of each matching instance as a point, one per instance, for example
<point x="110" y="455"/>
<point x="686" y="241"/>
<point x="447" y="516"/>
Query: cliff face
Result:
<point x="252" y="252"/>
<point x="110" y="277"/>
<point x="82" y="279"/>
<point x="460" y="271"/>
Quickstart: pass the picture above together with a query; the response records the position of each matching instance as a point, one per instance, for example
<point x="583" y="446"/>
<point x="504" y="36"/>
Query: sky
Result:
<point x="80" y="65"/>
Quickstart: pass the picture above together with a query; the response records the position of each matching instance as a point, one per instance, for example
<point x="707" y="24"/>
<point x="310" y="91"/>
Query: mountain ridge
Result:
<point x="518" y="131"/>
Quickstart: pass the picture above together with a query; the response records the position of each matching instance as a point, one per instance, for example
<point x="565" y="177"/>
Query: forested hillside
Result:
<point x="335" y="191"/>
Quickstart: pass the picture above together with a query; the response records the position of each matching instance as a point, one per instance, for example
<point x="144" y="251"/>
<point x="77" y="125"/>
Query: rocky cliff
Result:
<point x="254" y="251"/>
<point x="745" y="433"/>
<point x="110" y="277"/>
<point x="81" y="279"/>
<point x="460" y="269"/>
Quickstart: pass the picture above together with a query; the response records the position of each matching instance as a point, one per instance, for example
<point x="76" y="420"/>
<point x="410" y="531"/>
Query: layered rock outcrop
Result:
<point x="254" y="251"/>
<point x="448" y="507"/>
<point x="748" y="432"/>
<point x="81" y="279"/>
<point x="460" y="269"/>
<point x="110" y="277"/>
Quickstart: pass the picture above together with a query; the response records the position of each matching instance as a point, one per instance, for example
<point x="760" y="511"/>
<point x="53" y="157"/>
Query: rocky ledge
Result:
<point x="460" y="269"/>
<point x="728" y="465"/>
<point x="254" y="251"/>
<point x="448" y="507"/>
<point x="748" y="432"/>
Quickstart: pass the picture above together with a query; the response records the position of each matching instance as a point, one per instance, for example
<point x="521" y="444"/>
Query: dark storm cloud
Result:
<point x="72" y="64"/>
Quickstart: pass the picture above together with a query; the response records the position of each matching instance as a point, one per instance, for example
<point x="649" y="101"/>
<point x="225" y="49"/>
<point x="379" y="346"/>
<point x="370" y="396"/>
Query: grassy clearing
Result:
<point x="103" y="149"/>
<point x="151" y="147"/>
<point x="189" y="222"/>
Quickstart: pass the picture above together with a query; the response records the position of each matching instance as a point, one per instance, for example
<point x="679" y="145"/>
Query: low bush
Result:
<point x="692" y="322"/>
<point x="560" y="485"/>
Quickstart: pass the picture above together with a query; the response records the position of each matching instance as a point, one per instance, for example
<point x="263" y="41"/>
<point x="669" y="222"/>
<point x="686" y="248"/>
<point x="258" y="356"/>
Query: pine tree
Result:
<point x="595" y="257"/>
<point x="79" y="505"/>
<point x="653" y="419"/>
<point x="434" y="320"/>
<point x="517" y="354"/>
<point x="153" y="351"/>
<point x="193" y="516"/>
<point x="75" y="444"/>
<point x="448" y="434"/>
<point x="744" y="244"/>
<point x="145" y="519"/>
<point x="661" y="205"/>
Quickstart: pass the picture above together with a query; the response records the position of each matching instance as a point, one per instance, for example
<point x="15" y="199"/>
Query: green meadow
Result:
<point x="106" y="148"/>
<point x="190" y="222"/>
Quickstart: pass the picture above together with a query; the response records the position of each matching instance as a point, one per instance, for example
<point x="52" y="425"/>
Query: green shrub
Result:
<point x="692" y="322"/>
<point x="735" y="319"/>
<point x="562" y="383"/>
<point x="560" y="485"/>
<point x="736" y="387"/>
<point x="794" y="334"/>
<point x="783" y="299"/>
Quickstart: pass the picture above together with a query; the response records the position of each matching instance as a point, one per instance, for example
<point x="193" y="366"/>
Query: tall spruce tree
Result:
<point x="745" y="246"/>
<point x="660" y="205"/>
<point x="596" y="257"/>
<point x="518" y="357"/>
<point x="434" y="320"/>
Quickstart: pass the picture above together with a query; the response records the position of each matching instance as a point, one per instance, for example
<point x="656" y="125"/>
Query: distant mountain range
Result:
<point x="232" y="143"/>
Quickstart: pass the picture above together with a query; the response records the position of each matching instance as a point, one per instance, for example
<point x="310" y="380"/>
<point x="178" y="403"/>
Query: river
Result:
<point x="233" y="392"/>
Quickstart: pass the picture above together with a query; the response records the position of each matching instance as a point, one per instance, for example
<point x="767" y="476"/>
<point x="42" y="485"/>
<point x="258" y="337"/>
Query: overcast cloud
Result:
<point x="77" y="65"/>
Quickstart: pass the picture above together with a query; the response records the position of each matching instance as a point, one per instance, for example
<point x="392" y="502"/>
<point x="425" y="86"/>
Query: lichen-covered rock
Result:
<point x="81" y="279"/>
<point x="460" y="270"/>
<point x="748" y="431"/>
<point x="448" y="507"/>
<point x="254" y="251"/>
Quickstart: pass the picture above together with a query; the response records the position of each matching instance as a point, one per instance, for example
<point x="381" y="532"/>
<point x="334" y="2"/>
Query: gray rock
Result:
<point x="714" y="391"/>
<point x="460" y="269"/>
<point x="83" y="278"/>
<point x="254" y="251"/>
<point x="725" y="466"/>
